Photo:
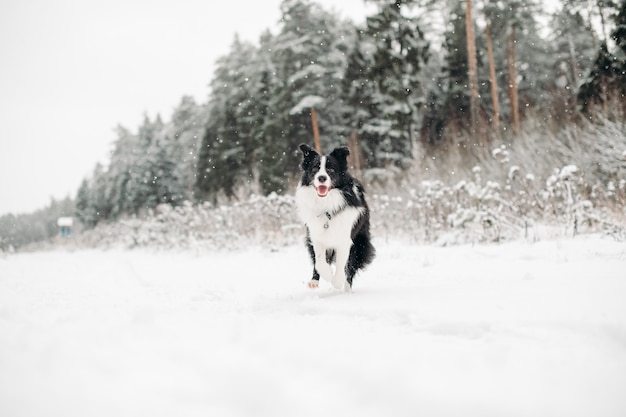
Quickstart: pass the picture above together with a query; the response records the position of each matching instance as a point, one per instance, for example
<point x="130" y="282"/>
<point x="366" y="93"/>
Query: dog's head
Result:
<point x="324" y="172"/>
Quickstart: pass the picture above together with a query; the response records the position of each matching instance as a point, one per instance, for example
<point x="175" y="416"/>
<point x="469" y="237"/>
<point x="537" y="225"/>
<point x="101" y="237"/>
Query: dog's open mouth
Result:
<point x="322" y="190"/>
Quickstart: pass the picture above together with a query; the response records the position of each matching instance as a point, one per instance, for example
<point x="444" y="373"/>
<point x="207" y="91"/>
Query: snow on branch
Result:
<point x="306" y="103"/>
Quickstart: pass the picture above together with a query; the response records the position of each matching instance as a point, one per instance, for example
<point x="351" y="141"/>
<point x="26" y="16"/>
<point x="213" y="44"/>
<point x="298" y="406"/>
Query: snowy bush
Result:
<point x="259" y="220"/>
<point x="513" y="206"/>
<point x="5" y="246"/>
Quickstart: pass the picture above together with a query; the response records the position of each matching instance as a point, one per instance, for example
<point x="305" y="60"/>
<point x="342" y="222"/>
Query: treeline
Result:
<point x="17" y="230"/>
<point x="399" y="83"/>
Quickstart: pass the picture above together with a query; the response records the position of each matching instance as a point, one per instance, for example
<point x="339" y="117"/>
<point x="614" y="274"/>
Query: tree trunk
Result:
<point x="493" y="80"/>
<point x="355" y="154"/>
<point x="316" y="132"/>
<point x="471" y="65"/>
<point x="511" y="61"/>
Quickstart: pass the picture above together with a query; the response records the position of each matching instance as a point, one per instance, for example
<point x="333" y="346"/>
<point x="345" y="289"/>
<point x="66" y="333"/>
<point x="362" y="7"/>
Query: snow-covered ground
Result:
<point x="518" y="329"/>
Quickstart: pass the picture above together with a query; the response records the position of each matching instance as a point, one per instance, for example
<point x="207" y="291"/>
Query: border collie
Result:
<point x="331" y="203"/>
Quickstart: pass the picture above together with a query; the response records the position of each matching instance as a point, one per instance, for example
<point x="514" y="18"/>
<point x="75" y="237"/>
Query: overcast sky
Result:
<point x="71" y="70"/>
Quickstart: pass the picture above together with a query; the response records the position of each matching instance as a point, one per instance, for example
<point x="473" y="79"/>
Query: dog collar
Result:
<point x="329" y="215"/>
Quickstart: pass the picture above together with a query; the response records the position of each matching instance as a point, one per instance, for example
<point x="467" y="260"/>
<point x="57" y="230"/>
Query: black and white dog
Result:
<point x="331" y="203"/>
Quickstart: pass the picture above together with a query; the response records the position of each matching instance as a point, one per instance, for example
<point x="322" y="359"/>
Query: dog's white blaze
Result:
<point x="312" y="210"/>
<point x="322" y="171"/>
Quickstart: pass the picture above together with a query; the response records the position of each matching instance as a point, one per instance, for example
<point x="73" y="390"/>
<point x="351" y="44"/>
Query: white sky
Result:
<point x="71" y="70"/>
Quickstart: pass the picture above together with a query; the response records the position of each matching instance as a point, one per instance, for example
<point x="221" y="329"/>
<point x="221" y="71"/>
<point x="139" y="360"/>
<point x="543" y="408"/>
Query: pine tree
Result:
<point x="227" y="145"/>
<point x="456" y="69"/>
<point x="309" y="55"/>
<point x="602" y="81"/>
<point x="572" y="49"/>
<point x="183" y="142"/>
<point x="618" y="35"/>
<point x="606" y="79"/>
<point x="100" y="194"/>
<point x="140" y="186"/>
<point x="391" y="56"/>
<point x="525" y="55"/>
<point x="270" y="155"/>
<point x="116" y="182"/>
<point x="360" y="91"/>
<point x="471" y="65"/>
<point x="85" y="207"/>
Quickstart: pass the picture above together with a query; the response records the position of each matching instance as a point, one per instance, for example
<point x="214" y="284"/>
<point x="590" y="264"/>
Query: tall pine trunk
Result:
<point x="471" y="65"/>
<point x="511" y="61"/>
<point x="603" y="85"/>
<point x="493" y="81"/>
<point x="316" y="132"/>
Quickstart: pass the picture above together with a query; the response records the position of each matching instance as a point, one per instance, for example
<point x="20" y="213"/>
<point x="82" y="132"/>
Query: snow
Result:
<point x="517" y="329"/>
<point x="307" y="103"/>
<point x="65" y="221"/>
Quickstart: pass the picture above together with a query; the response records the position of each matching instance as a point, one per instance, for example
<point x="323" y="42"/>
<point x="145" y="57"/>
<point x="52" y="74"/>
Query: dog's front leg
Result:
<point x="321" y="266"/>
<point x="339" y="279"/>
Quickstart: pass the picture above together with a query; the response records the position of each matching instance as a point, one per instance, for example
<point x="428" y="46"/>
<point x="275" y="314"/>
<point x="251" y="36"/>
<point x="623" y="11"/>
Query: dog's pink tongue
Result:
<point x="322" y="190"/>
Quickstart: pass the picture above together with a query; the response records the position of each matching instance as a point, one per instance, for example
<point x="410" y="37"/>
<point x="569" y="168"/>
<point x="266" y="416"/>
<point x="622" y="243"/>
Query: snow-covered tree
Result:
<point x="85" y="210"/>
<point x="359" y="90"/>
<point x="261" y="99"/>
<point x="604" y="82"/>
<point x="572" y="42"/>
<point x="383" y="82"/>
<point x="525" y="57"/>
<point x="619" y="32"/>
<point x="309" y="57"/>
<point x="141" y="187"/>
<point x="270" y="155"/>
<point x="456" y="70"/>
<point x="184" y="134"/>
<point x="227" y="146"/>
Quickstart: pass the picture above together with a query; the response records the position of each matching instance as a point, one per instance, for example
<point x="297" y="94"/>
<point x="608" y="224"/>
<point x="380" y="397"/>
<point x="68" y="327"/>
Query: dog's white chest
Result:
<point x="329" y="222"/>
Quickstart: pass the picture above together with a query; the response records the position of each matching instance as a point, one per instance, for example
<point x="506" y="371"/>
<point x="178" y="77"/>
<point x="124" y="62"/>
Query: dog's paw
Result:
<point x="313" y="284"/>
<point x="339" y="282"/>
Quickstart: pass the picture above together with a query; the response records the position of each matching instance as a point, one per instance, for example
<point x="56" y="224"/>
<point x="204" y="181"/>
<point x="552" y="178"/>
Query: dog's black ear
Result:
<point x="341" y="155"/>
<point x="307" y="151"/>
<point x="308" y="155"/>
